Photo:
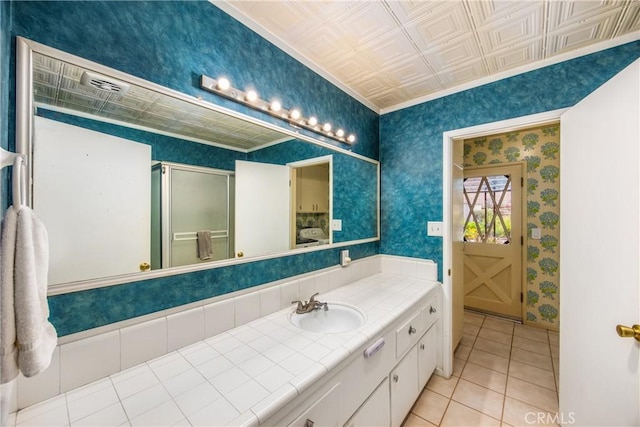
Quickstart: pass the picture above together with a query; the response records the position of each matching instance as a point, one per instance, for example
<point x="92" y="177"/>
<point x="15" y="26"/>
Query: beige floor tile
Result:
<point x="485" y="377"/>
<point x="479" y="398"/>
<point x="458" y="415"/>
<point x="493" y="347"/>
<point x="518" y="413"/>
<point x="504" y="326"/>
<point x="470" y="329"/>
<point x="532" y="374"/>
<point x="441" y="385"/>
<point x="532" y="394"/>
<point x="531" y="333"/>
<point x="473" y="318"/>
<point x="556" y="364"/>
<point x="415" y="421"/>
<point x="430" y="406"/>
<point x="554" y="337"/>
<point x="492" y="335"/>
<point x="555" y="350"/>
<point x="534" y="359"/>
<point x="462" y="352"/>
<point x="458" y="366"/>
<point x="489" y="360"/>
<point x="532" y="345"/>
<point x="468" y="340"/>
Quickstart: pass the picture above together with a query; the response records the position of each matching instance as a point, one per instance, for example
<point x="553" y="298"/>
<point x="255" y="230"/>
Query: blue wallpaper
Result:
<point x="411" y="139"/>
<point x="354" y="189"/>
<point x="5" y="58"/>
<point x="172" y="43"/>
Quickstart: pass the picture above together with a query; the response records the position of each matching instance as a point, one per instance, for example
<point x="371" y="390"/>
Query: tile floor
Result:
<point x="505" y="374"/>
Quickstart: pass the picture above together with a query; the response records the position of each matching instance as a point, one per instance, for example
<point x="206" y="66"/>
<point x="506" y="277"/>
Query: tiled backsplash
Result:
<point x="81" y="359"/>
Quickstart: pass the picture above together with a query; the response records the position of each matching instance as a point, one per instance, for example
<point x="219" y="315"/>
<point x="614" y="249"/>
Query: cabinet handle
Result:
<point x="432" y="310"/>
<point x="395" y="378"/>
<point x="421" y="346"/>
<point x="308" y="423"/>
<point x="412" y="330"/>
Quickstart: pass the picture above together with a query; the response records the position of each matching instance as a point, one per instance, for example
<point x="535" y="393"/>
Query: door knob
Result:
<point x="145" y="266"/>
<point x="240" y="254"/>
<point x="629" y="332"/>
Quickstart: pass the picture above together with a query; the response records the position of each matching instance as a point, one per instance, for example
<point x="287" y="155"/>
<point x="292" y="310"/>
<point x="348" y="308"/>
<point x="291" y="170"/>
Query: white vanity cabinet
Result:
<point x="375" y="411"/>
<point x="378" y="384"/>
<point x="404" y="387"/>
<point x="325" y="411"/>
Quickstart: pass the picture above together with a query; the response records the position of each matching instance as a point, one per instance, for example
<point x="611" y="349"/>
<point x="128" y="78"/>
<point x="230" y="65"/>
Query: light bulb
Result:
<point x="223" y="84"/>
<point x="312" y="121"/>
<point x="339" y="133"/>
<point x="295" y="114"/>
<point x="351" y="138"/>
<point x="326" y="127"/>
<point x="275" y="106"/>
<point x="251" y="96"/>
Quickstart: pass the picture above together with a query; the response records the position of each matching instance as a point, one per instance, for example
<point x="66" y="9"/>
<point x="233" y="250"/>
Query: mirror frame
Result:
<point x="25" y="49"/>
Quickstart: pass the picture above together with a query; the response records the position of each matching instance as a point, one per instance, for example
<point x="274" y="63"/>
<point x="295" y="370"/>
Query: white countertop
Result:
<point x="275" y="361"/>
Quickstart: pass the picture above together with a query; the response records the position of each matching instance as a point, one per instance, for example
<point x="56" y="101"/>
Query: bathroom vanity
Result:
<point x="369" y="375"/>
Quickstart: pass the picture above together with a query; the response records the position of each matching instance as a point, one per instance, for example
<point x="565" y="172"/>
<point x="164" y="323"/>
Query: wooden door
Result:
<point x="493" y="239"/>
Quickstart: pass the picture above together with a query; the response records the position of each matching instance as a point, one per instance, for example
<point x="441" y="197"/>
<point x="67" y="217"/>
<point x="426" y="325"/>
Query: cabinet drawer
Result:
<point x="430" y="313"/>
<point x="408" y="333"/>
<point x="323" y="412"/>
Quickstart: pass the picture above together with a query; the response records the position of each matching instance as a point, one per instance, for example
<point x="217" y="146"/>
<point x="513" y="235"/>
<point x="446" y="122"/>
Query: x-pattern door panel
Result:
<point x="492" y="248"/>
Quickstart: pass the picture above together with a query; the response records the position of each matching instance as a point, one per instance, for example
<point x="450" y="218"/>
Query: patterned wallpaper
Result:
<point x="540" y="148"/>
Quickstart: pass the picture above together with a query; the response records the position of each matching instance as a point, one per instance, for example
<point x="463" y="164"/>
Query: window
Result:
<point x="487" y="209"/>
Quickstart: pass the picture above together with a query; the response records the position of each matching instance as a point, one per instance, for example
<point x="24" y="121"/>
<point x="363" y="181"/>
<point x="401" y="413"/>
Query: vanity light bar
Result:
<point x="250" y="98"/>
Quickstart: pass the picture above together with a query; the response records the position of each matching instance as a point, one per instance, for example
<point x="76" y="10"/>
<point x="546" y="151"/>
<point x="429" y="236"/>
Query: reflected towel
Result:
<point x="205" y="251"/>
<point x="24" y="269"/>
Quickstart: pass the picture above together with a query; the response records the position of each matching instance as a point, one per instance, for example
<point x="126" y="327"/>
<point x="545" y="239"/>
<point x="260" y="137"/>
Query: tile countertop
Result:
<point x="275" y="361"/>
<point x="242" y="376"/>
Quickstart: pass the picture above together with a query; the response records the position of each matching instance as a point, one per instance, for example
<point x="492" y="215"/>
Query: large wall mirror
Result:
<point x="134" y="180"/>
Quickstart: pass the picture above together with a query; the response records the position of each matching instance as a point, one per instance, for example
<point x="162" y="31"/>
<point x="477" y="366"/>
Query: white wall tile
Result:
<point x="322" y="283"/>
<point x="89" y="359"/>
<point x="41" y="387"/>
<point x="289" y="292"/>
<point x="219" y="317"/>
<point x="270" y="300"/>
<point x="335" y="278"/>
<point x="143" y="342"/>
<point x="185" y="328"/>
<point x="247" y="308"/>
<point x="306" y="287"/>
<point x="426" y="270"/>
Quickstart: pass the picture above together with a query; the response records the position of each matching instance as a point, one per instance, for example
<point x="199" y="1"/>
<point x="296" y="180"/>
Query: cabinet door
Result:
<point x="312" y="188"/>
<point x="375" y="411"/>
<point x="427" y="356"/>
<point x="404" y="386"/>
<point x="325" y="412"/>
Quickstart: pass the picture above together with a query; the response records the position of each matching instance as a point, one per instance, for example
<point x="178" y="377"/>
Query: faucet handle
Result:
<point x="312" y="299"/>
<point x="297" y="302"/>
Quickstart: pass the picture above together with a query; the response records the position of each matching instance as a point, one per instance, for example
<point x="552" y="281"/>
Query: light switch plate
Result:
<point x="336" y="224"/>
<point x="434" y="228"/>
<point x="536" y="233"/>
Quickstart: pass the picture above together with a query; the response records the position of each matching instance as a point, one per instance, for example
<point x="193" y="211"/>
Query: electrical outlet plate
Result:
<point x="336" y="224"/>
<point x="434" y="228"/>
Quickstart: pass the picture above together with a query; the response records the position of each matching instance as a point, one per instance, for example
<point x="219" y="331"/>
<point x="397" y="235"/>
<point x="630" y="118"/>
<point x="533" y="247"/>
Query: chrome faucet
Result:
<point x="311" y="305"/>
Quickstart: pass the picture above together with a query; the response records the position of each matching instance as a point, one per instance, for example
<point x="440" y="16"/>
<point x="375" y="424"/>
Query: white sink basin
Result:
<point x="340" y="317"/>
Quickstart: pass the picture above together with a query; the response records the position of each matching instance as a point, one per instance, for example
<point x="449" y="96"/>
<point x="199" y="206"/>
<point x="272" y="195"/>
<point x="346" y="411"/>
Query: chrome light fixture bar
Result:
<point x="274" y="108"/>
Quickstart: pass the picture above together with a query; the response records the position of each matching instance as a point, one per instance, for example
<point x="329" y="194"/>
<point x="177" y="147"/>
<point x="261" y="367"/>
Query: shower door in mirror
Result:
<point x="193" y="204"/>
<point x="493" y="239"/>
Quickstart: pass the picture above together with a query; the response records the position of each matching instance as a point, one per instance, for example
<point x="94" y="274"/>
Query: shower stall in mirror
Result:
<point x="189" y="204"/>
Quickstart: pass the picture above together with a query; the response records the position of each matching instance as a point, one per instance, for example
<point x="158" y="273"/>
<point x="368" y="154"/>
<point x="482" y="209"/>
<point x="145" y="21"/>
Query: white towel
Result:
<point x="205" y="251"/>
<point x="24" y="272"/>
